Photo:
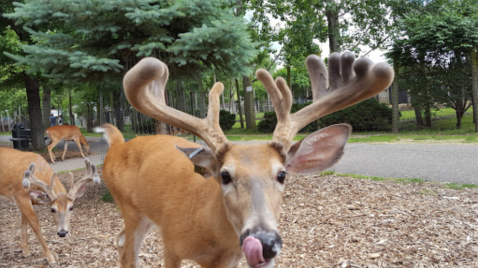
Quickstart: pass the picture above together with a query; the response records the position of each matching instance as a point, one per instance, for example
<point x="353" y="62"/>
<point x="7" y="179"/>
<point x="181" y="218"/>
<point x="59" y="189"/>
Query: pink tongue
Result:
<point x="252" y="248"/>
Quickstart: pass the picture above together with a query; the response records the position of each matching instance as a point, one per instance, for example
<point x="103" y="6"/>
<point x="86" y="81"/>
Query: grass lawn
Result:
<point x="442" y="130"/>
<point x="454" y="186"/>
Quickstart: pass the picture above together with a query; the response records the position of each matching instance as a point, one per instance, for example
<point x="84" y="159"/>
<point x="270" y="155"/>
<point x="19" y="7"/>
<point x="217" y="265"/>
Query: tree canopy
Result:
<point x="91" y="39"/>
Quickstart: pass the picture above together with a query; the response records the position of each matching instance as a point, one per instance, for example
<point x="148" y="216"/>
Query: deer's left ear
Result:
<point x="39" y="197"/>
<point x="319" y="150"/>
<point x="203" y="159"/>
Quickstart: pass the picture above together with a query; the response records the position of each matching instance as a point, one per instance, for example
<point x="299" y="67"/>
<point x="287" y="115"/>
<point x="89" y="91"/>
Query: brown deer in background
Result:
<point x="40" y="186"/>
<point x="66" y="133"/>
<point x="235" y="213"/>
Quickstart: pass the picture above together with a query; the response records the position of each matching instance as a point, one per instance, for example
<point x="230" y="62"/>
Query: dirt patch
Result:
<point x="327" y="221"/>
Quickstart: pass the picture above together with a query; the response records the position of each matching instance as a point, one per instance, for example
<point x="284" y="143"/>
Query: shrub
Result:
<point x="268" y="122"/>
<point x="226" y="120"/>
<point x="368" y="115"/>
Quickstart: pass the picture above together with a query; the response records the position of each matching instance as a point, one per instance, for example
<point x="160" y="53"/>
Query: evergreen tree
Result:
<point x="91" y="39"/>
<point x="98" y="41"/>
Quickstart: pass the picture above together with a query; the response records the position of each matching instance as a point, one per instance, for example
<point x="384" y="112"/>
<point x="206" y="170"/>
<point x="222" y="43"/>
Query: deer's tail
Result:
<point x="112" y="135"/>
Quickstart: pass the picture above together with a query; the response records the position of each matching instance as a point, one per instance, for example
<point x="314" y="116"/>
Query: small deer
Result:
<point x="66" y="133"/>
<point x="235" y="213"/>
<point x="27" y="179"/>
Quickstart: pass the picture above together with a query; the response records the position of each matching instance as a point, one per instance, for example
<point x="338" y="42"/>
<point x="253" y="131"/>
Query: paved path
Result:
<point x="435" y="162"/>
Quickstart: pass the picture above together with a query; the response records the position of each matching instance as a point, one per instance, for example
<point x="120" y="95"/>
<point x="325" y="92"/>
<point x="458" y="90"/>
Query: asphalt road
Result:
<point x="434" y="162"/>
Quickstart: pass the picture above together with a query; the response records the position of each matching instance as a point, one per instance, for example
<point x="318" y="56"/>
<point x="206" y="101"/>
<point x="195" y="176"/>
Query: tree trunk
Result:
<point x="202" y="101"/>
<point x="112" y="111"/>
<point x="333" y="26"/>
<point x="474" y="70"/>
<point x="239" y="103"/>
<point x="118" y="111"/>
<point x="459" y="111"/>
<point x="101" y="114"/>
<point x="89" y="117"/>
<point x="428" y="116"/>
<point x="418" y="116"/>
<point x="395" y="90"/>
<point x="288" y="75"/>
<point x="34" y="110"/>
<point x="181" y="97"/>
<point x="70" y="110"/>
<point x="46" y="106"/>
<point x="249" y="110"/>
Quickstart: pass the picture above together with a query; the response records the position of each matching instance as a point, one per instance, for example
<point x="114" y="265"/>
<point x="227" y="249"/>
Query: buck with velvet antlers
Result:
<point x="40" y="186"/>
<point x="217" y="221"/>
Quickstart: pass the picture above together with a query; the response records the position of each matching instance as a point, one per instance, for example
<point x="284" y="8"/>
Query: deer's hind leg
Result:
<point x="77" y="140"/>
<point x="64" y="151"/>
<point x="130" y="239"/>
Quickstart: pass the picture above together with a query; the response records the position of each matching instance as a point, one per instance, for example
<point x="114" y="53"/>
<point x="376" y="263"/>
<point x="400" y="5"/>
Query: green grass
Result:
<point x="107" y="197"/>
<point x="245" y="135"/>
<point x="454" y="186"/>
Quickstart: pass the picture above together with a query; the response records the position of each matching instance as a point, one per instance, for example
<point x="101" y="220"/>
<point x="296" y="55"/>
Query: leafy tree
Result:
<point x="436" y="54"/>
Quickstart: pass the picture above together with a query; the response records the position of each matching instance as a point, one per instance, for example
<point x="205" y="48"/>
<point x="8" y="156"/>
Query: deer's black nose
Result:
<point x="62" y="233"/>
<point x="270" y="240"/>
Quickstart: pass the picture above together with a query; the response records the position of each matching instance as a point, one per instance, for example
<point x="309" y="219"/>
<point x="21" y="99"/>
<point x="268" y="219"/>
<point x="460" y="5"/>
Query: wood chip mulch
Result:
<point x="327" y="221"/>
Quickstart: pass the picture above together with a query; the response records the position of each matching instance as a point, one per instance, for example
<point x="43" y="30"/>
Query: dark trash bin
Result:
<point x="21" y="136"/>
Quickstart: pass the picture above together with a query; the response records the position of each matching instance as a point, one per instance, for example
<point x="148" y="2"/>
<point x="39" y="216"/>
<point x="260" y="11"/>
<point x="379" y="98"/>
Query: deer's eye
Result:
<point x="53" y="210"/>
<point x="71" y="208"/>
<point x="226" y="177"/>
<point x="281" y="176"/>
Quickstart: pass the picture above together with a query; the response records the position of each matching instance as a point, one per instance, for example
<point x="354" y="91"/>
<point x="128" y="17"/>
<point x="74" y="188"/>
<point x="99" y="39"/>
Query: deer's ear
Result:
<point x="39" y="197"/>
<point x="319" y="150"/>
<point x="203" y="159"/>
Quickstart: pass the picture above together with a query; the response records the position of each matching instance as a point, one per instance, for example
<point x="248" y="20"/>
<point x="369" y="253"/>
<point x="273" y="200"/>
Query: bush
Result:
<point x="226" y="120"/>
<point x="269" y="121"/>
<point x="368" y="115"/>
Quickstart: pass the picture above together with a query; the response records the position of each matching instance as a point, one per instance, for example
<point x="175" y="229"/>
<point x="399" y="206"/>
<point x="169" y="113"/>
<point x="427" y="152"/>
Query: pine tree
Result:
<point x="99" y="39"/>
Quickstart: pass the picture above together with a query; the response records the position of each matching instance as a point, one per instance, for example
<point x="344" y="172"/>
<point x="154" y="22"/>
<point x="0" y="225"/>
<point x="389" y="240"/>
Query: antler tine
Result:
<point x="90" y="175"/>
<point x="279" y="93"/>
<point x="29" y="179"/>
<point x="350" y="82"/>
<point x="71" y="193"/>
<point x="144" y="86"/>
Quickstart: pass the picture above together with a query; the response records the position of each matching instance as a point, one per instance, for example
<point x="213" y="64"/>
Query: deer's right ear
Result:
<point x="39" y="197"/>
<point x="201" y="157"/>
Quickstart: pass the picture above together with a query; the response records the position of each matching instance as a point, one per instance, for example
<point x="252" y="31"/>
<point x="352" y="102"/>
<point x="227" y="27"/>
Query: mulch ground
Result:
<point x="327" y="221"/>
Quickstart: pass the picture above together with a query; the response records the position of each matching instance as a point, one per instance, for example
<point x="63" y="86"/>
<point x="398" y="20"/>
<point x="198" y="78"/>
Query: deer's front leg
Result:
<point x="24" y="236"/>
<point x="26" y="208"/>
